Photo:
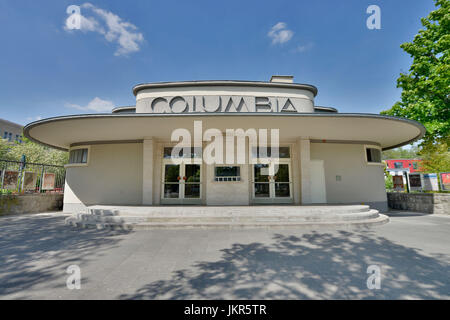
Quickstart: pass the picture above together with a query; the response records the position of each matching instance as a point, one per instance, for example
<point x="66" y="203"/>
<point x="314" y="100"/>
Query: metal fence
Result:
<point x="25" y="177"/>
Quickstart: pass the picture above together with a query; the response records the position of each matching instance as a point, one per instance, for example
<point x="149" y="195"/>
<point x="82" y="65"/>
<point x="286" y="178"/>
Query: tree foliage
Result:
<point x="436" y="159"/>
<point x="426" y="87"/>
<point x="401" y="153"/>
<point x="34" y="152"/>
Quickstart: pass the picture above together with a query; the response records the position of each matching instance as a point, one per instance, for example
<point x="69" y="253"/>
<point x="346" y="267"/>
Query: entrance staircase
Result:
<point x="149" y="217"/>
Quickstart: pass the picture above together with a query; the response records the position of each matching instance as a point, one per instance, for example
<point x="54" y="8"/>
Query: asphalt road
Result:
<point x="412" y="253"/>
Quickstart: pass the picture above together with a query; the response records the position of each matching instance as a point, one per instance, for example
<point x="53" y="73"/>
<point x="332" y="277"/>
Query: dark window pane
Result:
<point x="168" y="152"/>
<point x="282" y="190"/>
<point x="265" y="152"/>
<point x="260" y="175"/>
<point x="373" y="155"/>
<point x="171" y="190"/>
<point x="228" y="171"/>
<point x="262" y="190"/>
<point x="376" y="155"/>
<point x="84" y="158"/>
<point x="282" y="175"/>
<point x="192" y="190"/>
<point x="171" y="172"/>
<point x="369" y="155"/>
<point x="179" y="152"/>
<point x="284" y="152"/>
<point x="78" y="156"/>
<point x="192" y="172"/>
<point x="398" y="165"/>
<point x="195" y="153"/>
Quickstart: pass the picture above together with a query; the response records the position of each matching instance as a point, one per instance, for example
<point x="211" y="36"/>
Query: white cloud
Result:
<point x="303" y="48"/>
<point x="31" y="119"/>
<point x="109" y="25"/>
<point x="279" y="33"/>
<point x="96" y="104"/>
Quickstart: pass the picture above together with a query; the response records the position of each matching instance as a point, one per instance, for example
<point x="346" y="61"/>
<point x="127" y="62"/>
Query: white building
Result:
<point x="125" y="157"/>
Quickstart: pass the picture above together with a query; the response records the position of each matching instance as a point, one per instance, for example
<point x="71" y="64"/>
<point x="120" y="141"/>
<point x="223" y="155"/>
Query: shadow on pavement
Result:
<point x="26" y="241"/>
<point x="327" y="265"/>
<point x="405" y="214"/>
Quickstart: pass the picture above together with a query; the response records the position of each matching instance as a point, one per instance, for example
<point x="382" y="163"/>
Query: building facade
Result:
<point x="405" y="165"/>
<point x="402" y="168"/>
<point x="182" y="143"/>
<point x="10" y="131"/>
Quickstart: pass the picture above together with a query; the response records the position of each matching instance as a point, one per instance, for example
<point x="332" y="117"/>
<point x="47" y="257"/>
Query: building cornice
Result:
<point x="124" y="108"/>
<point x="233" y="83"/>
<point x="325" y="109"/>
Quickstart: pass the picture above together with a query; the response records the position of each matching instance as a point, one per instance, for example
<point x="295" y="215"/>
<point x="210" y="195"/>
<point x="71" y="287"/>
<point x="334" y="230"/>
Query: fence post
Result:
<point x="5" y="167"/>
<point x="407" y="181"/>
<point x="41" y="180"/>
<point x="64" y="181"/>
<point x="19" y="180"/>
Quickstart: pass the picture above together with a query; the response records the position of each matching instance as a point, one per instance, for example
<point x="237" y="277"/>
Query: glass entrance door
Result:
<point x="272" y="183"/>
<point x="181" y="183"/>
<point x="191" y="181"/>
<point x="171" y="183"/>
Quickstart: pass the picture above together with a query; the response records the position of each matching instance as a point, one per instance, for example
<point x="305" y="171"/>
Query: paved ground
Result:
<point x="413" y="252"/>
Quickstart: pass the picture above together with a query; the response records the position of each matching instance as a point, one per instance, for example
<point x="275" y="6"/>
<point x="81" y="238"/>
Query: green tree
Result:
<point x="388" y="182"/>
<point x="401" y="153"/>
<point x="425" y="88"/>
<point x="34" y="152"/>
<point x="436" y="159"/>
<point x="5" y="146"/>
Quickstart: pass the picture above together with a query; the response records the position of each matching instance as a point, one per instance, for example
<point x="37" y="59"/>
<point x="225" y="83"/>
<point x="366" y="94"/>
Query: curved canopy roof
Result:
<point x="62" y="132"/>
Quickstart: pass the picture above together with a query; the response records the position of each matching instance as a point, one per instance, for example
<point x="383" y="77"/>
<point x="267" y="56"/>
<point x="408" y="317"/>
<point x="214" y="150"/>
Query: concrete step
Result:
<point x="236" y="216"/>
<point x="231" y="218"/>
<point x="214" y="211"/>
<point x="380" y="219"/>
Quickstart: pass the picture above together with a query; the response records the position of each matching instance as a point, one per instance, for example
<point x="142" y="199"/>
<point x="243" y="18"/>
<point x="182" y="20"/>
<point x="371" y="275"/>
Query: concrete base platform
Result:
<point x="149" y="217"/>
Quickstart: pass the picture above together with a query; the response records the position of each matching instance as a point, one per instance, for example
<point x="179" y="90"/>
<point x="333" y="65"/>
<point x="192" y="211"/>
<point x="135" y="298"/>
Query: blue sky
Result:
<point x="48" y="70"/>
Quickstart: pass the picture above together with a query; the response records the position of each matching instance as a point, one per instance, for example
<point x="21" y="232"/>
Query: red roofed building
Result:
<point x="414" y="165"/>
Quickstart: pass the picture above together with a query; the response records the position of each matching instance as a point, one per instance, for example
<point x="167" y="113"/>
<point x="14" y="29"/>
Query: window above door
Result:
<point x="186" y="153"/>
<point x="283" y="152"/>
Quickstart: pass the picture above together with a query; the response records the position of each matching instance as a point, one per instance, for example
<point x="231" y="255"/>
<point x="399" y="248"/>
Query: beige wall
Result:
<point x="228" y="192"/>
<point x="360" y="182"/>
<point x="112" y="176"/>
